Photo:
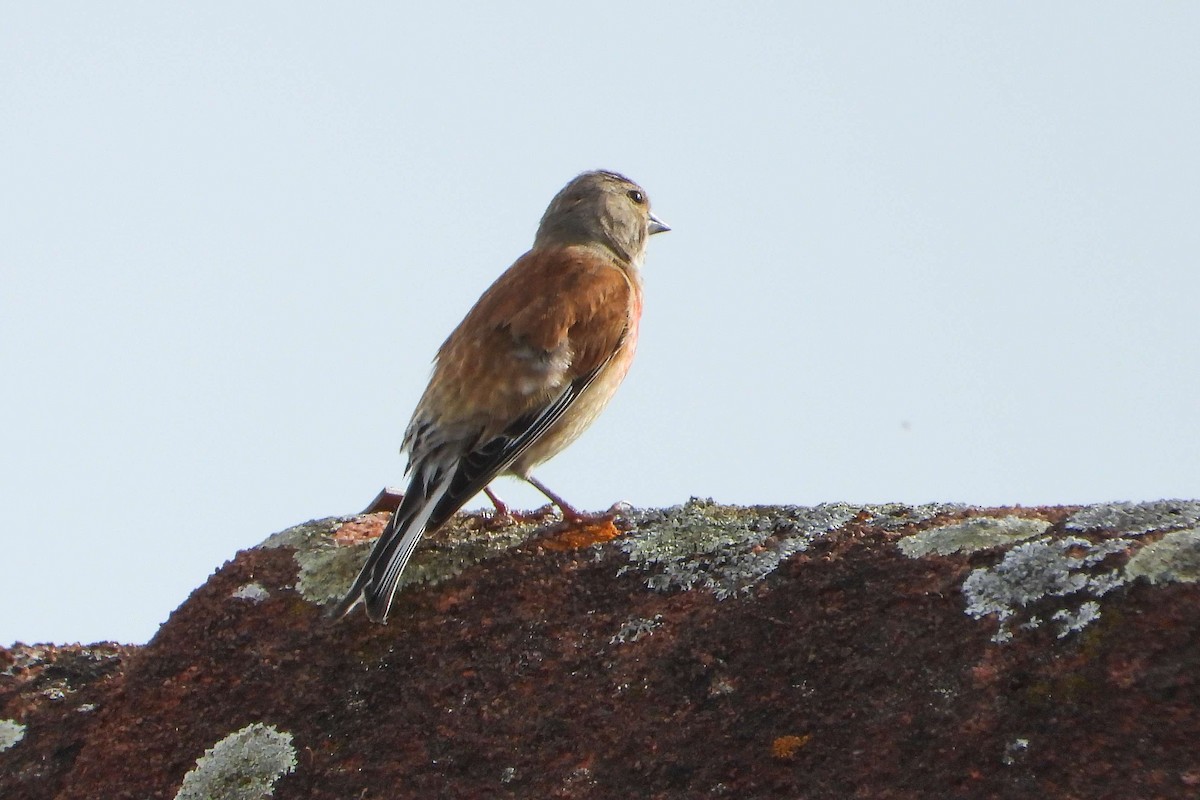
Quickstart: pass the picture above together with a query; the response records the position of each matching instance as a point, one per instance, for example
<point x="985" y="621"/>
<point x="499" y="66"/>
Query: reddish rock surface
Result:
<point x="849" y="671"/>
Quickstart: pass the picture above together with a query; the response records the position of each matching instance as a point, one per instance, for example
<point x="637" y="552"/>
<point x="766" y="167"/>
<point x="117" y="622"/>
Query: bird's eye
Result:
<point x="637" y="196"/>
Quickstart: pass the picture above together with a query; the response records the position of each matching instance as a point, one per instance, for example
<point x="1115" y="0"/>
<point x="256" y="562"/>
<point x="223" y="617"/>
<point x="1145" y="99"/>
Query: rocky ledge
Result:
<point x="838" y="651"/>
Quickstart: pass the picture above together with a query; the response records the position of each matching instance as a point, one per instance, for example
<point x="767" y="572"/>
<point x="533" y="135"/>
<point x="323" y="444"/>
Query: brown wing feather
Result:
<point x="526" y="346"/>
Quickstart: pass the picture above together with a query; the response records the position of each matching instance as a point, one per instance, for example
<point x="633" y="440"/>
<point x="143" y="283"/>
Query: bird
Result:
<point x="529" y="368"/>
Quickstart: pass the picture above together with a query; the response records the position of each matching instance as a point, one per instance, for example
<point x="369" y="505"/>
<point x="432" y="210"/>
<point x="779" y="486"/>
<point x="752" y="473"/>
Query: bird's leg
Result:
<point x="569" y="513"/>
<point x="501" y="506"/>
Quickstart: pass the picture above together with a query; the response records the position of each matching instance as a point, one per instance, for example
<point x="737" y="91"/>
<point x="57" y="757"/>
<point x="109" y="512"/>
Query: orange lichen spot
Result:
<point x="577" y="535"/>
<point x="786" y="746"/>
<point x="361" y="529"/>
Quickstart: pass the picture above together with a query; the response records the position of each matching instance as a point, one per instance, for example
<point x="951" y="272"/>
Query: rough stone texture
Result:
<point x="698" y="651"/>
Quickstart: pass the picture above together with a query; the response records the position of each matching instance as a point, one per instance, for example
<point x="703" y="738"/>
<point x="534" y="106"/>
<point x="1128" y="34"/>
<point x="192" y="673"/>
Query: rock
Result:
<point x="706" y="651"/>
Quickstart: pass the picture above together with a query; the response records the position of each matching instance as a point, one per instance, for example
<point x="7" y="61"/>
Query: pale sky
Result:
<point x="921" y="251"/>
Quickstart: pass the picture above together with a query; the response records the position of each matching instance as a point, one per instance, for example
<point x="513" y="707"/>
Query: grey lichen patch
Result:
<point x="635" y="629"/>
<point x="323" y="570"/>
<point x="724" y="549"/>
<point x="1040" y="569"/>
<point x="972" y="535"/>
<point x="11" y="732"/>
<point x="891" y="516"/>
<point x="1173" y="558"/>
<point x="306" y="534"/>
<point x="326" y="568"/>
<point x="254" y="592"/>
<point x="464" y="543"/>
<point x="1027" y="573"/>
<point x="243" y="766"/>
<point x="1073" y="621"/>
<point x="1136" y="518"/>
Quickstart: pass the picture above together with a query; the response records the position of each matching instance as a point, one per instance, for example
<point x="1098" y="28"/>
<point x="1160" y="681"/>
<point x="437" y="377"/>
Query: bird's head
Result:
<point x="604" y="208"/>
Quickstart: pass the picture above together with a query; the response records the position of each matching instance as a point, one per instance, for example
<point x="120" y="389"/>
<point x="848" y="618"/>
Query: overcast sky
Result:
<point x="921" y="252"/>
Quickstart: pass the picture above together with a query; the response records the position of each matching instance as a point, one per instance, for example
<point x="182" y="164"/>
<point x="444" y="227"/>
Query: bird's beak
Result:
<point x="657" y="225"/>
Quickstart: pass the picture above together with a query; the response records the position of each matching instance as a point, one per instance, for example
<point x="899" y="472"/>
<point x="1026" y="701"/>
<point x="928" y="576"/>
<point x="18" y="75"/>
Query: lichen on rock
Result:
<point x="1136" y="518"/>
<point x="253" y="592"/>
<point x="1173" y="558"/>
<point x="972" y="535"/>
<point x="243" y="766"/>
<point x="327" y="567"/>
<point x="636" y="628"/>
<point x="724" y="549"/>
<point x="11" y="732"/>
<point x="1039" y="569"/>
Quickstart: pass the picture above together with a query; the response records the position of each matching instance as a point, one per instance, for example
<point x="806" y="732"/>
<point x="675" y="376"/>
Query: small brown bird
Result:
<point x="528" y="369"/>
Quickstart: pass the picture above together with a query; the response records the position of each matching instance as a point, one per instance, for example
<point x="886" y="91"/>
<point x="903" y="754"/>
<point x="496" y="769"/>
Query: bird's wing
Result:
<point x="524" y="354"/>
<point x="553" y="317"/>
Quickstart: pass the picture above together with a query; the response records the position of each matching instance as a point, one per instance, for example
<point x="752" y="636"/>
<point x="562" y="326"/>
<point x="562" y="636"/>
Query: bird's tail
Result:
<point x="421" y="509"/>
